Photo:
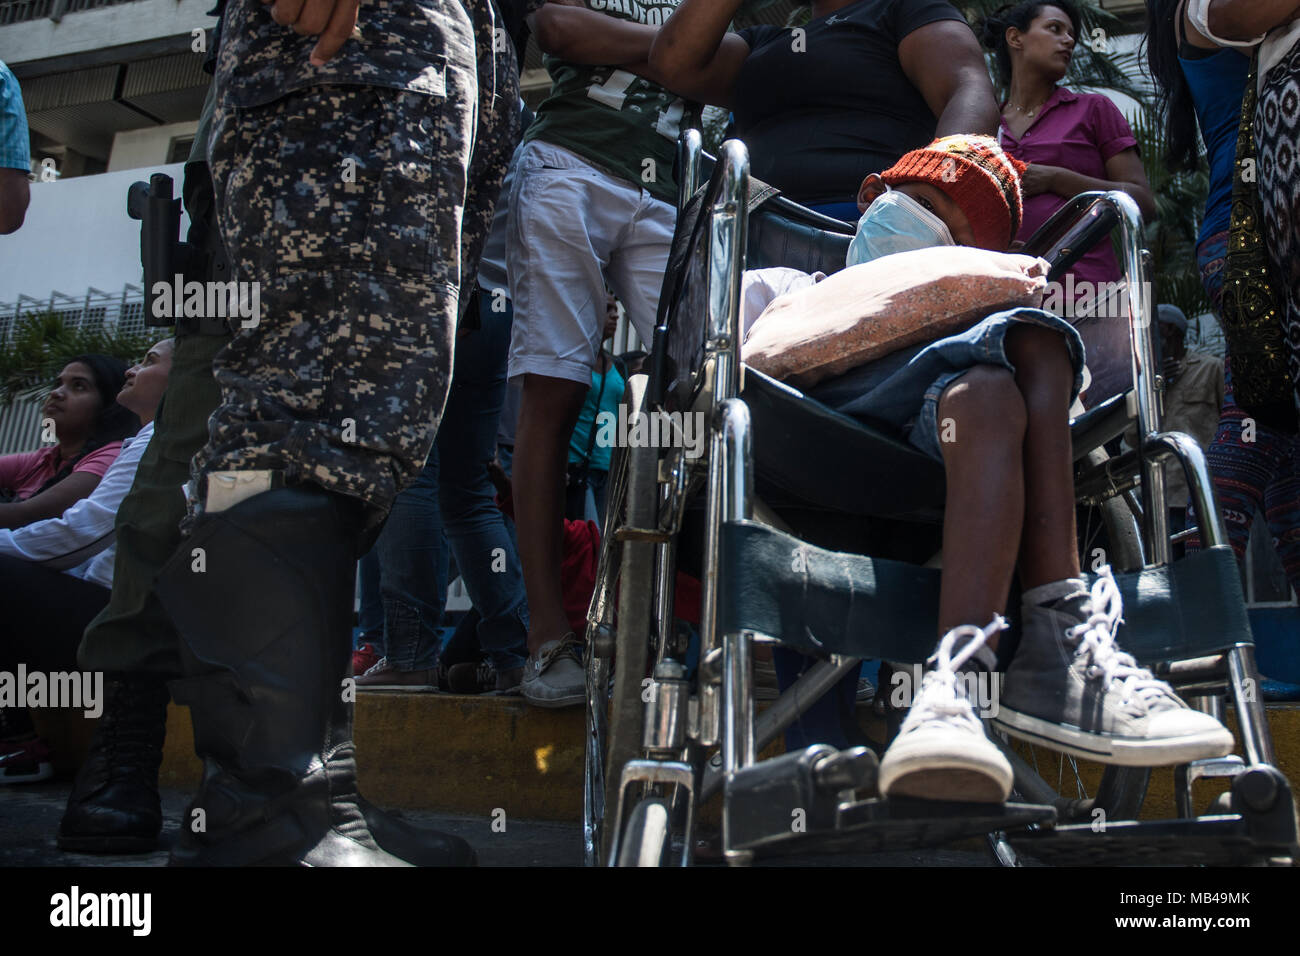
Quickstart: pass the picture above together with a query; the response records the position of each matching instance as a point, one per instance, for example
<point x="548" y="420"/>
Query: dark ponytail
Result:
<point x="993" y="29"/>
<point x="112" y="423"/>
<point x="1173" y="95"/>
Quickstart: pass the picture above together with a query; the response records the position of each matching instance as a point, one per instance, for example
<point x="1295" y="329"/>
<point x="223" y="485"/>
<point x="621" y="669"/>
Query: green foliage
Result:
<point x="40" y="345"/>
<point x="1180" y="201"/>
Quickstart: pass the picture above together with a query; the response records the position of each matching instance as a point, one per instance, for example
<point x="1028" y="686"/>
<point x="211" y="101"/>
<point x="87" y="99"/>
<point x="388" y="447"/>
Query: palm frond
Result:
<point x="41" y="343"/>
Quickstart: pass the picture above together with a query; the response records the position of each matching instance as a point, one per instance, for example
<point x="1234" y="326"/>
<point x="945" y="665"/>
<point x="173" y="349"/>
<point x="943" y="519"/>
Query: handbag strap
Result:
<point x="591" y="437"/>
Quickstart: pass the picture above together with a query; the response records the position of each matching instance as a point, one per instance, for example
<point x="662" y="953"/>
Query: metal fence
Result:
<point x="20" y="11"/>
<point x="97" y="310"/>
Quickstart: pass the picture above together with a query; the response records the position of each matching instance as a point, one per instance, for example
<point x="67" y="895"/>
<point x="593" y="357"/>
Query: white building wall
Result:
<point x="103" y="28"/>
<point x="135" y="148"/>
<point x="78" y="235"/>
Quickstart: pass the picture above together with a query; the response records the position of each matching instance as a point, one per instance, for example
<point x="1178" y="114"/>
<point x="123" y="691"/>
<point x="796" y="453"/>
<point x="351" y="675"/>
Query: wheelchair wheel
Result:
<point x="626" y="569"/>
<point x="646" y="839"/>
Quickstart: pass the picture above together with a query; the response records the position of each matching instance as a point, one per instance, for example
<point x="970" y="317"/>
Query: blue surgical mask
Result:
<point x="895" y="222"/>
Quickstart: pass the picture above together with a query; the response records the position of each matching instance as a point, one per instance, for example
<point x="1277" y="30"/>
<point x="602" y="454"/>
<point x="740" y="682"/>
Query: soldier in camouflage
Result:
<point x="114" y="806"/>
<point x="339" y="154"/>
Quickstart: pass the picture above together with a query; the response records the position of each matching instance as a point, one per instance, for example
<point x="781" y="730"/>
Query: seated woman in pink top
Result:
<point x="1074" y="142"/>
<point x="88" y="428"/>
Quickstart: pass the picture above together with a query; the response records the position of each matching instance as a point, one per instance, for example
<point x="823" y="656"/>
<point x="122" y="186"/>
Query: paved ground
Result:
<point x="29" y="817"/>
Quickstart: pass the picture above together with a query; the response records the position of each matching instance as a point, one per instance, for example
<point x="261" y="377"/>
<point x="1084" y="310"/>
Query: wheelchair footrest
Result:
<point x="879" y="825"/>
<point x="1223" y="840"/>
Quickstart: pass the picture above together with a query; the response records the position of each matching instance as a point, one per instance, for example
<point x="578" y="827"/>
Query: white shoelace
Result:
<point x="1140" y="690"/>
<point x="940" y="697"/>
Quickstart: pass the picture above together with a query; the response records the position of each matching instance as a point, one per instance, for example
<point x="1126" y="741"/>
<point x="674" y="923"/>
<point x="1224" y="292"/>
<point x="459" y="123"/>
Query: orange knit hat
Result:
<point x="977" y="175"/>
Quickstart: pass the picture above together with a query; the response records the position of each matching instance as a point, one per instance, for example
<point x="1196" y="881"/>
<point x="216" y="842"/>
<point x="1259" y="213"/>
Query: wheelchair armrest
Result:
<point x="1071" y="232"/>
<point x="1100" y="424"/>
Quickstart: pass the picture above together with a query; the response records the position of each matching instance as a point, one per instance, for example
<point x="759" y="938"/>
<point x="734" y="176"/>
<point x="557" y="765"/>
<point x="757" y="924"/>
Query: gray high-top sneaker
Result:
<point x="1072" y="689"/>
<point x="941" y="751"/>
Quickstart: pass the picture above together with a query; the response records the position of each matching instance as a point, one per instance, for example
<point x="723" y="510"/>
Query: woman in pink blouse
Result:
<point x="88" y="426"/>
<point x="1073" y="143"/>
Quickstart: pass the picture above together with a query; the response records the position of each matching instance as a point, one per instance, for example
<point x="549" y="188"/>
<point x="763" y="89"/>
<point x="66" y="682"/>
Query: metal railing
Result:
<point x="96" y="310"/>
<point x="21" y="11"/>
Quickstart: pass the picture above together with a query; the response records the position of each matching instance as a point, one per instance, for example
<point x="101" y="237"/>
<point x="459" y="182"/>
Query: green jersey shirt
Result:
<point x="612" y="118"/>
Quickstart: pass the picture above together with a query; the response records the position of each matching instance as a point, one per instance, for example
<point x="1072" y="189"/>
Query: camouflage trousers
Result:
<point x="344" y="204"/>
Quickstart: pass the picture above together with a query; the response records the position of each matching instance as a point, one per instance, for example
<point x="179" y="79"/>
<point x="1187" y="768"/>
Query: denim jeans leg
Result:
<point x="370" y="615"/>
<point x="413" y="563"/>
<point x="476" y="532"/>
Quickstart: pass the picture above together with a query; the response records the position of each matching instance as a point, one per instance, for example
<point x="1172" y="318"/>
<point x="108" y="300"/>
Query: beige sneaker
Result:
<point x="554" y="677"/>
<point x="941" y="751"/>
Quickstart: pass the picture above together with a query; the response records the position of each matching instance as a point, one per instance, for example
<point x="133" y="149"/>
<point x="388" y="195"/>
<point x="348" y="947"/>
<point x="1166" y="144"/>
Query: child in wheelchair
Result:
<point x="992" y="403"/>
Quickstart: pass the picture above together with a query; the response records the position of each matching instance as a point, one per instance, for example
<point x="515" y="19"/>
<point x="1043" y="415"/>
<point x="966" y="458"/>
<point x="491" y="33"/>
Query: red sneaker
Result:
<point x="25" y="761"/>
<point x="364" y="658"/>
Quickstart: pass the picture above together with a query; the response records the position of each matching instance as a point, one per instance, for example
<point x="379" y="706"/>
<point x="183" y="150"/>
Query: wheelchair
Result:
<point x="773" y="520"/>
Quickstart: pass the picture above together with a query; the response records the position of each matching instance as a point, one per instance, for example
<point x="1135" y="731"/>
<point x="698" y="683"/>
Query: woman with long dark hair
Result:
<point x="87" y="427"/>
<point x="1073" y="143"/>
<point x="1201" y="83"/>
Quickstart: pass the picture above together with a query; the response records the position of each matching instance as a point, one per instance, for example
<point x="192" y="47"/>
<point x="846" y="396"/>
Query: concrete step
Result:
<point x="480" y="755"/>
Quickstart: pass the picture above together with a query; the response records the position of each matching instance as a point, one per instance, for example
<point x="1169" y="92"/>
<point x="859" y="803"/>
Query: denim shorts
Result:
<point x="900" y="393"/>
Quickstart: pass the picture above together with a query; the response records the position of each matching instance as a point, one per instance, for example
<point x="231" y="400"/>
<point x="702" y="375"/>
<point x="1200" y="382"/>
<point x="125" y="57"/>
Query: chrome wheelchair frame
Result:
<point x="659" y="747"/>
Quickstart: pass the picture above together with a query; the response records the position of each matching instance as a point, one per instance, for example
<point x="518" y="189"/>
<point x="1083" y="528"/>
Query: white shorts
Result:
<point x="572" y="228"/>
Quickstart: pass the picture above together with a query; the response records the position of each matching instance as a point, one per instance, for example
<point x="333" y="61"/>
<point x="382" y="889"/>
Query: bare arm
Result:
<point x="14" y="198"/>
<point x="693" y="54"/>
<point x="586" y="36"/>
<point x="944" y="61"/>
<point x="1125" y="172"/>
<point x="1247" y="19"/>
<point x="50" y="503"/>
<point x="1199" y="40"/>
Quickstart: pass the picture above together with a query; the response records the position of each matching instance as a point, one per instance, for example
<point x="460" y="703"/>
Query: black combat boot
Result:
<point x="416" y="845"/>
<point x="114" y="806"/>
<point x="261" y="594"/>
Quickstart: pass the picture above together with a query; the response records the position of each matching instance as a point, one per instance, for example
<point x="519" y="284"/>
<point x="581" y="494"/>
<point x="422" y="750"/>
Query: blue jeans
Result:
<point x="370" y="616"/>
<point x="476" y="530"/>
<point x="900" y="392"/>
<point x="454" y="495"/>
<point x="413" y="573"/>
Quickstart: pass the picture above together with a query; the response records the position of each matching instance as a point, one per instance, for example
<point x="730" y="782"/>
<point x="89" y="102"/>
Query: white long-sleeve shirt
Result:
<point x="81" y="541"/>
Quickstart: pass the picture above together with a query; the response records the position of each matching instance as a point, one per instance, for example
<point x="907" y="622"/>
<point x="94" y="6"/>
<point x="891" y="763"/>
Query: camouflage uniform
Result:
<point x="133" y="632"/>
<point x="340" y="190"/>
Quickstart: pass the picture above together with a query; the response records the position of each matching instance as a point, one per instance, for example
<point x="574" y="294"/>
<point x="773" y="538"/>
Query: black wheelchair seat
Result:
<point x="816" y="456"/>
<point x="809" y="455"/>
